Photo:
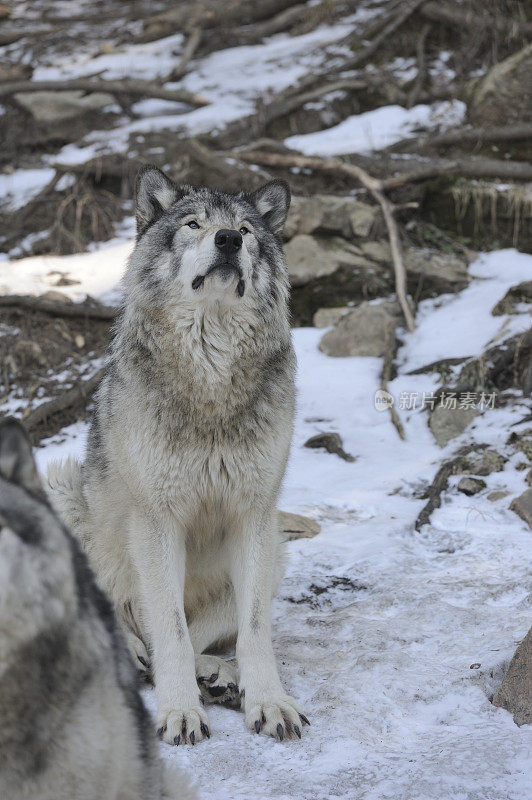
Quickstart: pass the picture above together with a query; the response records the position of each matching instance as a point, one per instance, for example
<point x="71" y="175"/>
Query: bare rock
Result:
<point x="509" y="304"/>
<point x="56" y="297"/>
<point x="515" y="692"/>
<point x="325" y="317"/>
<point x="330" y="441"/>
<point x="341" y="216"/>
<point x="481" y="462"/>
<point x="309" y="257"/>
<point x="522" y="506"/>
<point x="51" y="107"/>
<point x="499" y="494"/>
<point x="504" y="95"/>
<point x="522" y="440"/>
<point x="528" y="478"/>
<point x="364" y="331"/>
<point x="295" y="526"/>
<point x="448" y="423"/>
<point x="471" y="486"/>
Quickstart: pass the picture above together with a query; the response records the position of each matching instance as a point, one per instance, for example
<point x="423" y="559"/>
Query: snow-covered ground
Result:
<point x="377" y="627"/>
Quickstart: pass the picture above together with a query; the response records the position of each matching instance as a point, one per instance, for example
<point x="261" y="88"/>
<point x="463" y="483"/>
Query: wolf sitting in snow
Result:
<point x="176" y="500"/>
<point x="72" y="723"/>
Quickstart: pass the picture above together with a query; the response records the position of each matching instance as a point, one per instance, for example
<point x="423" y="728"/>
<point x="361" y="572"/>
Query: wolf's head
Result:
<point x="202" y="246"/>
<point x="36" y="575"/>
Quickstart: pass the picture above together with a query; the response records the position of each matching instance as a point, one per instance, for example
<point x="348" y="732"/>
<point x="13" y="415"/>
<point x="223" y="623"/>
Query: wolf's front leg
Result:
<point x="267" y="708"/>
<point x="159" y="555"/>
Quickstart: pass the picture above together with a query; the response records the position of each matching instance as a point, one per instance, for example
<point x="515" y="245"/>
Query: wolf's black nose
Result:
<point x="228" y="241"/>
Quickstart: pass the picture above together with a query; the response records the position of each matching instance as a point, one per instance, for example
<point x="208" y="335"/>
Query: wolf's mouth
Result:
<point x="225" y="268"/>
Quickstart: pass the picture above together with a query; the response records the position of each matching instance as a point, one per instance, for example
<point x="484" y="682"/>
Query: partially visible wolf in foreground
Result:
<point x="176" y="500"/>
<point x="72" y="723"/>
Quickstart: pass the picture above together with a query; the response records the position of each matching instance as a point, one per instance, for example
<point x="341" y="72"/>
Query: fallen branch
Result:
<point x="456" y="16"/>
<point x="73" y="397"/>
<point x="127" y="87"/>
<point x="504" y="133"/>
<point x="413" y="96"/>
<point x="187" y="55"/>
<point x="386" y="374"/>
<point x="359" y="58"/>
<point x="57" y="308"/>
<point x="467" y="167"/>
<point x="373" y="186"/>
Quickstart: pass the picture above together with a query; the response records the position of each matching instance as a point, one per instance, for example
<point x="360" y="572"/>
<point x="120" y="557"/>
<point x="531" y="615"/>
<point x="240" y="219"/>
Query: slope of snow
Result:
<point x="377" y="129"/>
<point x="377" y="627"/>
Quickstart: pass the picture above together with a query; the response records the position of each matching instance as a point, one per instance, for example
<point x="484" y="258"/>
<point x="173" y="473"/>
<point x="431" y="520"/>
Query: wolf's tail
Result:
<point x="64" y="486"/>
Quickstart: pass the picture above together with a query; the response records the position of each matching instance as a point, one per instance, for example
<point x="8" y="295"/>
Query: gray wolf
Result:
<point x="72" y="723"/>
<point x="175" y="502"/>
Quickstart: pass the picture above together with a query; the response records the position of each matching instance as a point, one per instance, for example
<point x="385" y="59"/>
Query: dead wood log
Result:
<point x="126" y="87"/>
<point x="459" y="17"/>
<point x="415" y="91"/>
<point x="373" y="186"/>
<point x="504" y="133"/>
<point x="386" y="374"/>
<point x="466" y="167"/>
<point x="208" y="14"/>
<point x="397" y="20"/>
<point x="73" y="397"/>
<point x="57" y="308"/>
<point x="187" y="55"/>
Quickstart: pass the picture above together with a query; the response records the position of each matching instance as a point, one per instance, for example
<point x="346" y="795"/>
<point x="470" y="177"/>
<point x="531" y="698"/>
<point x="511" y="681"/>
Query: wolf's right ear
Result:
<point x="155" y="193"/>
<point x="16" y="458"/>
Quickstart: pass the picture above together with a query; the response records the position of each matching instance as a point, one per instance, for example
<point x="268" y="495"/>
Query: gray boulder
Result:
<point x="504" y="95"/>
<point x="515" y="692"/>
<point x="448" y="423"/>
<point x="325" y="317"/>
<point x="522" y="506"/>
<point x="471" y="486"/>
<point x="51" y="107"/>
<point x="365" y="331"/>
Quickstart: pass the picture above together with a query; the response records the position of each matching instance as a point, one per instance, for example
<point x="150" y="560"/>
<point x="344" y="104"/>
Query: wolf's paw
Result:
<point x="183" y="727"/>
<point x="140" y="657"/>
<point x="217" y="680"/>
<point x="276" y="715"/>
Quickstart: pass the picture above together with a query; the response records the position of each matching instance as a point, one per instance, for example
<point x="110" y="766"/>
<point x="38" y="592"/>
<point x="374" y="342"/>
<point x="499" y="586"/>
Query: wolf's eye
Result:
<point x="244" y="230"/>
<point x="193" y="224"/>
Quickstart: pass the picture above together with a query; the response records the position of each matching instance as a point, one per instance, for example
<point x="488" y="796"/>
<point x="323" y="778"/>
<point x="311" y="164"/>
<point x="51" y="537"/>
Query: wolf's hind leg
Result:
<point x="217" y="680"/>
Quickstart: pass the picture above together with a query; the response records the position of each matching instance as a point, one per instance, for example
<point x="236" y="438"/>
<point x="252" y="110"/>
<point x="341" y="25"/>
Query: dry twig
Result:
<point x="373" y="186"/>
<point x="73" y="397"/>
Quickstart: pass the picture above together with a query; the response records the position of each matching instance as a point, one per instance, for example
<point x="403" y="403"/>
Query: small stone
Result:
<point x="331" y="442"/>
<point x="528" y="478"/>
<point x="493" y="497"/>
<point x="522" y="506"/>
<point x="515" y="692"/>
<point x="295" y="526"/>
<point x="522" y="440"/>
<point x="326" y="317"/>
<point x="79" y="340"/>
<point x="471" y="486"/>
<point x="56" y="297"/>
<point x="64" y="281"/>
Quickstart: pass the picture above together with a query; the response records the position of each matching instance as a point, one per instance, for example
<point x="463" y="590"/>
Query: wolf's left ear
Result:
<point x="16" y="458"/>
<point x="273" y="202"/>
<point x="155" y="193"/>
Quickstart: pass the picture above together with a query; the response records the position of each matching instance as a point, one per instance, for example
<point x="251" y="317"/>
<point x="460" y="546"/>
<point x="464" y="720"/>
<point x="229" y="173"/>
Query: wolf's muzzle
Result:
<point x="228" y="241"/>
